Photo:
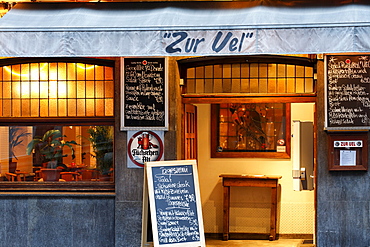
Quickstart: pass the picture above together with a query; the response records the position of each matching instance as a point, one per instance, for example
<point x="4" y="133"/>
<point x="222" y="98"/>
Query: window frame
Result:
<point x="62" y="187"/>
<point x="256" y="154"/>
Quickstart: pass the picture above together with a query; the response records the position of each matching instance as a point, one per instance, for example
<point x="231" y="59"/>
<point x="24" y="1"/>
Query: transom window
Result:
<point x="250" y="77"/>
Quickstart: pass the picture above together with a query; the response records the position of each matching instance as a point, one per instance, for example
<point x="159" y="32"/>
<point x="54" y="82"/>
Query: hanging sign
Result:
<point x="175" y="205"/>
<point x="144" y="94"/>
<point x="144" y="146"/>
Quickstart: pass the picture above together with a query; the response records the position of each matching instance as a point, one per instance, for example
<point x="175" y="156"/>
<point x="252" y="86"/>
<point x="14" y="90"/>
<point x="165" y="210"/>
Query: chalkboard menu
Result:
<point x="348" y="92"/>
<point x="175" y="205"/>
<point x="144" y="100"/>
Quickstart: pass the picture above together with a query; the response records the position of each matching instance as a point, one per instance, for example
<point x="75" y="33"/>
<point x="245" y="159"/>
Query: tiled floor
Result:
<point x="254" y="243"/>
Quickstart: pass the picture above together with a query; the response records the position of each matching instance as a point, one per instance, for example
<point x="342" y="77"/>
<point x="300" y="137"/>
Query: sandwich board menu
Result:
<point x="174" y="203"/>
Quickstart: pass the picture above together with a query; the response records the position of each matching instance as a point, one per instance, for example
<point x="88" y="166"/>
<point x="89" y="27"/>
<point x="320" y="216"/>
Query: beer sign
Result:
<point x="144" y="146"/>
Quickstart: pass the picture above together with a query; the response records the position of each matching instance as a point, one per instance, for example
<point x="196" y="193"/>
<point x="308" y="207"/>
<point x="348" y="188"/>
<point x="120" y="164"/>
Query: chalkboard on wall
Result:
<point x="175" y="206"/>
<point x="144" y="94"/>
<point x="347" y="92"/>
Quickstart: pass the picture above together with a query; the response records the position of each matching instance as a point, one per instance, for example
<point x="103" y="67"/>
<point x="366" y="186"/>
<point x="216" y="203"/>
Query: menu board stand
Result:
<point x="174" y="202"/>
<point x="144" y="100"/>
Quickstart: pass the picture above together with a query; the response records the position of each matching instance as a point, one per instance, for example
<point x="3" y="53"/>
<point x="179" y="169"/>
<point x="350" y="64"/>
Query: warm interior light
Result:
<point x="34" y="72"/>
<point x="82" y="66"/>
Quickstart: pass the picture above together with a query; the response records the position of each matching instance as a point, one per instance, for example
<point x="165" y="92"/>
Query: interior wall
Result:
<point x="250" y="207"/>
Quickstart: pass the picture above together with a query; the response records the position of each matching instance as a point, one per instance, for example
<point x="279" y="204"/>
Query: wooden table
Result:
<point x="250" y="181"/>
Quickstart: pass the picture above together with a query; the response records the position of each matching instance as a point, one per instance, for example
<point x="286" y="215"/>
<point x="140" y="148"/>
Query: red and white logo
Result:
<point x="145" y="146"/>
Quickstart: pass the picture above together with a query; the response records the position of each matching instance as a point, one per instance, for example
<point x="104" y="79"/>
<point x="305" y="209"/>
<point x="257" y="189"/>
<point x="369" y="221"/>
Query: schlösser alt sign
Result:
<point x="208" y="42"/>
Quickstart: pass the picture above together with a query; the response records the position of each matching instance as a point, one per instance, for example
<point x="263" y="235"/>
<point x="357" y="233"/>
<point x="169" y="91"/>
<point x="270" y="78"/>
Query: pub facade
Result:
<point x="95" y="90"/>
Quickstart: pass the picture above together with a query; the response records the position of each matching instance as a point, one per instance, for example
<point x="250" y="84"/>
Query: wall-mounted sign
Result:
<point x="144" y="146"/>
<point x="347" y="92"/>
<point x="144" y="94"/>
<point x="348" y="144"/>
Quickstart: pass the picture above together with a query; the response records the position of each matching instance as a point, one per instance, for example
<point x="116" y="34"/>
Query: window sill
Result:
<point x="58" y="187"/>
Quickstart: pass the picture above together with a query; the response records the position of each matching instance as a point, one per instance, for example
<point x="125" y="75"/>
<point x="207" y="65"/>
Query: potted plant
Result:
<point x="16" y="137"/>
<point x="51" y="145"/>
<point x="101" y="138"/>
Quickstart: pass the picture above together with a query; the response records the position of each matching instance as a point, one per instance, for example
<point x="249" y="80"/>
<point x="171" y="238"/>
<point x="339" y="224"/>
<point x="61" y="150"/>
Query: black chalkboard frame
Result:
<point x="139" y="126"/>
<point x="148" y="192"/>
<point x="327" y="126"/>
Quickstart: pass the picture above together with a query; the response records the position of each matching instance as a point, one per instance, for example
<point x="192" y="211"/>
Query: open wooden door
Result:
<point x="190" y="131"/>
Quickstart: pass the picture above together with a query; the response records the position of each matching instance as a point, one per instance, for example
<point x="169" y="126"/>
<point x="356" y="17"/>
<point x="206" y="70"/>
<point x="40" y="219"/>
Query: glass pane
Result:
<point x="299" y="71"/>
<point x="108" y="73"/>
<point x="109" y="106"/>
<point x="254" y="85"/>
<point x="16" y="108"/>
<point x="99" y="73"/>
<point x="35" y="106"/>
<point x="90" y="71"/>
<point x="190" y="86"/>
<point x="271" y="70"/>
<point x="208" y="86"/>
<point x="71" y="71"/>
<point x="53" y="89"/>
<point x="281" y="70"/>
<point x="90" y="89"/>
<point x="62" y="71"/>
<point x="72" y="107"/>
<point x="217" y="70"/>
<point x="245" y="70"/>
<point x="236" y="70"/>
<point x="253" y="70"/>
<point x="235" y="85"/>
<point x="226" y="71"/>
<point x="218" y="86"/>
<point x="53" y="107"/>
<point x="291" y="85"/>
<point x="263" y="70"/>
<point x="190" y="73"/>
<point x="271" y="85"/>
<point x="290" y="70"/>
<point x="81" y="104"/>
<point x="25" y="108"/>
<point x="251" y="127"/>
<point x="226" y="85"/>
<point x="199" y="72"/>
<point x="53" y="71"/>
<point x="209" y="71"/>
<point x="263" y="85"/>
<point x="109" y="89"/>
<point x="308" y="85"/>
<point x="81" y="89"/>
<point x="245" y="86"/>
<point x="90" y="107"/>
<point x="199" y="85"/>
<point x="299" y="85"/>
<point x="62" y="107"/>
<point x="72" y="89"/>
<point x="77" y="153"/>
